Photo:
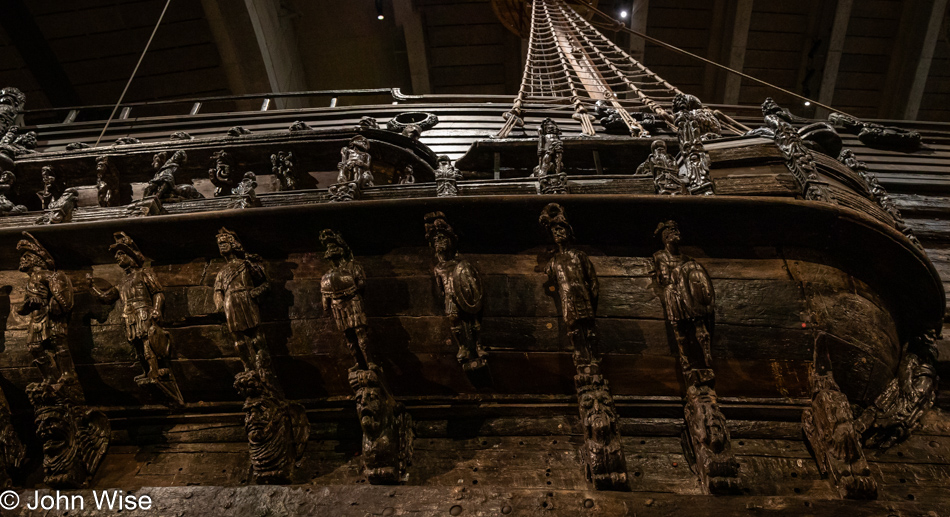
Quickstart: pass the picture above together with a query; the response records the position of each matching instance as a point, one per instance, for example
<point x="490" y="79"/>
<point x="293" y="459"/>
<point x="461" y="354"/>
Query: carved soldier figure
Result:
<point x="53" y="186"/>
<point x="237" y="288"/>
<point x="461" y="289"/>
<point x="387" y="428"/>
<point x="603" y="454"/>
<point x="7" y="190"/>
<point x="406" y="177"/>
<point x="143" y="304"/>
<point x="222" y="173"/>
<point x="282" y="166"/>
<point x="107" y="182"/>
<point x="446" y="178"/>
<point x="356" y="164"/>
<point x="551" y="178"/>
<point x="48" y="302"/>
<point x="342" y="291"/>
<point x="689" y="301"/>
<point x="573" y="275"/>
<point x="661" y="166"/>
<point x="277" y="430"/>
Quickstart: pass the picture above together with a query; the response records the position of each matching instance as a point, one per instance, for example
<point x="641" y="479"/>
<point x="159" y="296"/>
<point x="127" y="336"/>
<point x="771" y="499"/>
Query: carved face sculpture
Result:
<point x="560" y="233"/>
<point x="599" y="416"/>
<point x="671" y="236"/>
<point x="158" y="160"/>
<point x="659" y="147"/>
<point x="443" y="246"/>
<point x="260" y="418"/>
<point x="48" y="176"/>
<point x="369" y="405"/>
<point x="7" y="179"/>
<point x="444" y="162"/>
<point x="224" y="245"/>
<point x="124" y="260"/>
<point x="29" y="260"/>
<point x="334" y="251"/>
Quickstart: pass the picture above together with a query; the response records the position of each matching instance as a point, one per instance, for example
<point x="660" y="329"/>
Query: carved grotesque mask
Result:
<point x="28" y="261"/>
<point x="598" y="414"/>
<point x="369" y="405"/>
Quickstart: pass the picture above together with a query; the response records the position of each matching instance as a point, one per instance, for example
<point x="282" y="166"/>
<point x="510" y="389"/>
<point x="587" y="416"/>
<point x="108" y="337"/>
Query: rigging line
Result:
<point x="623" y="27"/>
<point x="144" y="51"/>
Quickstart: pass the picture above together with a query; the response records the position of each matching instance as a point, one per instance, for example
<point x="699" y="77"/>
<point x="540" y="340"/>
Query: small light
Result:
<point x="807" y="103"/>
<point x="380" y="17"/>
<point x="623" y="14"/>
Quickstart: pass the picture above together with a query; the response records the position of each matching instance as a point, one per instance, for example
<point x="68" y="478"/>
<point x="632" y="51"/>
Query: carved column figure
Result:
<point x="282" y="167"/>
<point x="223" y="173"/>
<point x="7" y="191"/>
<point x="342" y="292"/>
<point x="550" y="169"/>
<point x="693" y="159"/>
<point x="163" y="186"/>
<point x="355" y="170"/>
<point x="53" y="186"/>
<point x="688" y="299"/>
<point x="406" y="177"/>
<point x="687" y="106"/>
<point x="798" y="158"/>
<point x="446" y="178"/>
<point x="575" y="280"/>
<point x="896" y="412"/>
<point x="245" y="190"/>
<point x="830" y="430"/>
<point x="74" y="438"/>
<point x="387" y="428"/>
<point x="143" y="307"/>
<point x="461" y="288"/>
<point x="12" y="450"/>
<point x="277" y="430"/>
<point x="12" y="143"/>
<point x="661" y="166"/>
<point x="107" y="182"/>
<point x="237" y="288"/>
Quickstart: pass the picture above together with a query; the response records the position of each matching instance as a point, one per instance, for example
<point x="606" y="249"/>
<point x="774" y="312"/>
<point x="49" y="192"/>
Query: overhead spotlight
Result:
<point x="380" y="17"/>
<point x="623" y="14"/>
<point x="379" y="10"/>
<point x="807" y="103"/>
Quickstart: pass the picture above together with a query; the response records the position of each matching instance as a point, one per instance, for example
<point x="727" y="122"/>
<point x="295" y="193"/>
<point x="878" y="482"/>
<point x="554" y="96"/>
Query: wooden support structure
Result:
<point x="740" y="36"/>
<point x="411" y="22"/>
<point x="278" y="46"/>
<point x="829" y="77"/>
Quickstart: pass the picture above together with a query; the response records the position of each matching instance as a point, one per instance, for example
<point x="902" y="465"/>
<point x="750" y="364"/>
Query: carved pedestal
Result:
<point x="708" y="442"/>
<point x="344" y="192"/>
<point x="606" y="466"/>
<point x="277" y="430"/>
<point x="387" y="429"/>
<point x="74" y="437"/>
<point x="553" y="184"/>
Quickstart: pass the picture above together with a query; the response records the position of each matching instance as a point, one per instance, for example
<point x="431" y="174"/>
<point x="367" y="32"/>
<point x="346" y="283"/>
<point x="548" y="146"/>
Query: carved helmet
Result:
<point x="360" y="142"/>
<point x="125" y="244"/>
<point x="29" y="244"/>
<point x="435" y="223"/>
<point x="549" y="123"/>
<point x="328" y="236"/>
<point x="665" y="225"/>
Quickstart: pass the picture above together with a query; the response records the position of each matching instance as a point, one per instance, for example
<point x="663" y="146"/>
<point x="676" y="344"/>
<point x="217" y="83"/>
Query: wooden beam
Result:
<point x="638" y="22"/>
<point x="740" y="35"/>
<point x="916" y="93"/>
<point x="278" y="46"/>
<point x="715" y="50"/>
<point x="829" y="77"/>
<point x="413" y="30"/>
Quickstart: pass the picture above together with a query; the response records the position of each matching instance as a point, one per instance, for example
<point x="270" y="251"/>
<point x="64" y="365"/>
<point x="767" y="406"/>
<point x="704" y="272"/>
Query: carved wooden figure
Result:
<point x="387" y="428"/>
<point x="661" y="166"/>
<point x="830" y="430"/>
<point x="277" y="430"/>
<point x="550" y="173"/>
<point x="143" y="306"/>
<point x="7" y="190"/>
<point x="896" y="412"/>
<point x="693" y="158"/>
<point x="606" y="465"/>
<point x="245" y="192"/>
<point x="688" y="299"/>
<point x="282" y="167"/>
<point x="342" y="292"/>
<point x="708" y="126"/>
<point x="107" y="182"/>
<point x="576" y="282"/>
<point x="223" y="173"/>
<point x="163" y="185"/>
<point x="237" y="288"/>
<point x="53" y="186"/>
<point x="74" y="438"/>
<point x="446" y="178"/>
<point x="61" y="209"/>
<point x="461" y="288"/>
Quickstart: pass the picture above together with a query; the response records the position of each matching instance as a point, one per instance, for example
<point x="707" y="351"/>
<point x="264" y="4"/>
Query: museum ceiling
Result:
<point x="894" y="54"/>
